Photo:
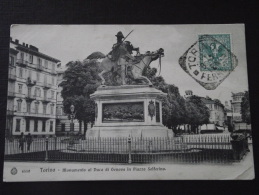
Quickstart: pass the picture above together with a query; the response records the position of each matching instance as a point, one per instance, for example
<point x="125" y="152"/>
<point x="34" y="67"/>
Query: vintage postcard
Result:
<point x="128" y="102"/>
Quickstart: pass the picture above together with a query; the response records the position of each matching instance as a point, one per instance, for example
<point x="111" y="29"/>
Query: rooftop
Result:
<point x="32" y="50"/>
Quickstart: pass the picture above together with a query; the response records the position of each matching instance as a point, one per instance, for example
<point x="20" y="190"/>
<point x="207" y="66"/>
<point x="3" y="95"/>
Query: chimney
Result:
<point x="33" y="48"/>
<point x="23" y="44"/>
<point x="26" y="45"/>
<point x="17" y="41"/>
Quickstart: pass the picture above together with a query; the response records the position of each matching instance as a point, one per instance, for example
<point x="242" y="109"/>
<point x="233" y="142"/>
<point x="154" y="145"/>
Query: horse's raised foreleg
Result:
<point x="101" y="76"/>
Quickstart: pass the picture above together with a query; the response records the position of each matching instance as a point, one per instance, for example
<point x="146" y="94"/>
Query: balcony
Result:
<point x="40" y="115"/>
<point x="46" y="85"/>
<point x="30" y="82"/>
<point x="30" y="98"/>
<point x="39" y="67"/>
<point x="11" y="94"/>
<point x="12" y="77"/>
<point x="22" y="62"/>
<point x="46" y="100"/>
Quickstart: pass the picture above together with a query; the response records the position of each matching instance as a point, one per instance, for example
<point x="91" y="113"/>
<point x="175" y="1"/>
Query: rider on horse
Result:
<point x="121" y="54"/>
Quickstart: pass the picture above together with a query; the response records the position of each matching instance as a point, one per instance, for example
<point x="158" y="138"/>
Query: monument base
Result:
<point x="149" y="131"/>
<point x="128" y="110"/>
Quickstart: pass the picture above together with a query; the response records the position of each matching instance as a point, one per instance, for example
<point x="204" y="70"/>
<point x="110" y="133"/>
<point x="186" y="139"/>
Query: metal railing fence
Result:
<point x="186" y="149"/>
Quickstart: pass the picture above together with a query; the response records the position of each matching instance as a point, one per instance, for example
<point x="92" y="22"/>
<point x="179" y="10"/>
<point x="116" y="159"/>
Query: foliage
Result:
<point x="197" y="112"/>
<point x="176" y="110"/>
<point x="80" y="80"/>
<point x="245" y="108"/>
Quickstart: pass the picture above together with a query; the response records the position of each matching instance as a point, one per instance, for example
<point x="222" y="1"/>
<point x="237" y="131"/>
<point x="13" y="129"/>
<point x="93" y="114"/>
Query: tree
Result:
<point x="81" y="80"/>
<point x="245" y="108"/>
<point x="197" y="113"/>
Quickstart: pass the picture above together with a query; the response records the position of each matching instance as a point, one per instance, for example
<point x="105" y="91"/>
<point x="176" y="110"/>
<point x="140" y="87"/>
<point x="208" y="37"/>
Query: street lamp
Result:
<point x="72" y="116"/>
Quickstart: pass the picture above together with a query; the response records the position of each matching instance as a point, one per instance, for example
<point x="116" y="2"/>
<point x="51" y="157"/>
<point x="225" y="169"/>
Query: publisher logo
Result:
<point x="14" y="171"/>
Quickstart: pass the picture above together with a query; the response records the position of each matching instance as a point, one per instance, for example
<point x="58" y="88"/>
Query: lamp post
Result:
<point x="72" y="116"/>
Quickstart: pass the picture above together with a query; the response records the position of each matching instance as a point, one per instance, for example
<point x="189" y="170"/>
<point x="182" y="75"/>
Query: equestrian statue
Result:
<point x="121" y="58"/>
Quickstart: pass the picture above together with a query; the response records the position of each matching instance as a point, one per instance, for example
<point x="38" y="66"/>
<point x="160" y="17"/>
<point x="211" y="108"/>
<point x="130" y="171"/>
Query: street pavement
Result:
<point x="60" y="171"/>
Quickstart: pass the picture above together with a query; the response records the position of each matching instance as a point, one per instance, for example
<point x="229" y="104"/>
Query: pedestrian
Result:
<point x="29" y="141"/>
<point x="21" y="142"/>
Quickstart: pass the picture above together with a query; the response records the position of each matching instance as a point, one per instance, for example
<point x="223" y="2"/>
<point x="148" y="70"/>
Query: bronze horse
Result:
<point x="137" y="67"/>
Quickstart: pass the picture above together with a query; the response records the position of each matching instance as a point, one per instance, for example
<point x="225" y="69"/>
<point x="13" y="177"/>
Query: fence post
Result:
<point x="129" y="144"/>
<point x="55" y="143"/>
<point x="47" y="145"/>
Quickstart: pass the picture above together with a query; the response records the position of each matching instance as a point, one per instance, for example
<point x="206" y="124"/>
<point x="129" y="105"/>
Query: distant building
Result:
<point x="228" y="111"/>
<point x="32" y="87"/>
<point x="217" y="112"/>
<point x="235" y="112"/>
<point x="236" y="106"/>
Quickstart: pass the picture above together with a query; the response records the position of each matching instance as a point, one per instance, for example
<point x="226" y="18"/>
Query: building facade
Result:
<point x="236" y="106"/>
<point x="217" y="111"/>
<point x="32" y="91"/>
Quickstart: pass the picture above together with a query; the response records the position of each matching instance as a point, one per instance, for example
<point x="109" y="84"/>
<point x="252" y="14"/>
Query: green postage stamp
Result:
<point x="209" y="60"/>
<point x="214" y="53"/>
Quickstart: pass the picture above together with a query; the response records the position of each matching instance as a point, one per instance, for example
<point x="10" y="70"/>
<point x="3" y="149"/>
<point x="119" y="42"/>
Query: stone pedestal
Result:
<point x="128" y="110"/>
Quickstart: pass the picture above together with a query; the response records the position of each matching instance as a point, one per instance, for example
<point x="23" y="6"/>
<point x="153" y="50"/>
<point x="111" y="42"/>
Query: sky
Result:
<point x="76" y="42"/>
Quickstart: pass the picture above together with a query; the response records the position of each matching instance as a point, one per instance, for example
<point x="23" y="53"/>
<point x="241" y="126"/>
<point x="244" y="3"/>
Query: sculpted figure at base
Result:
<point x="121" y="58"/>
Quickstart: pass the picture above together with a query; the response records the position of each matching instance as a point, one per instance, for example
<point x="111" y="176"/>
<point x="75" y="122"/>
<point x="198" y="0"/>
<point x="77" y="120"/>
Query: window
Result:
<point x="44" y="108"/>
<point x="51" y="126"/>
<point x="38" y="76"/>
<point x="27" y="125"/>
<point x="39" y="61"/>
<point x="46" y="64"/>
<point x="43" y="126"/>
<point x="52" y="94"/>
<point x="35" y="125"/>
<point x="11" y="60"/>
<point x="20" y="88"/>
<point x="45" y="94"/>
<point x="52" y="109"/>
<point x="53" y="80"/>
<point x="37" y="92"/>
<point x="36" y="107"/>
<point x="19" y="105"/>
<point x="18" y="125"/>
<point x="21" y="73"/>
<point x="53" y="67"/>
<point x="31" y="59"/>
<point x="22" y="55"/>
<point x="45" y="79"/>
<point x="29" y="91"/>
<point x="28" y="107"/>
<point x="60" y="110"/>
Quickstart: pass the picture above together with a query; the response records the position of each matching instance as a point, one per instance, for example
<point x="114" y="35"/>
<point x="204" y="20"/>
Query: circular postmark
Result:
<point x="14" y="171"/>
<point x="209" y="60"/>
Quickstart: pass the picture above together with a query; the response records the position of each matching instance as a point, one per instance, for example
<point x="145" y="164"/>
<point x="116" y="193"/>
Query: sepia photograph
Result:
<point x="128" y="102"/>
